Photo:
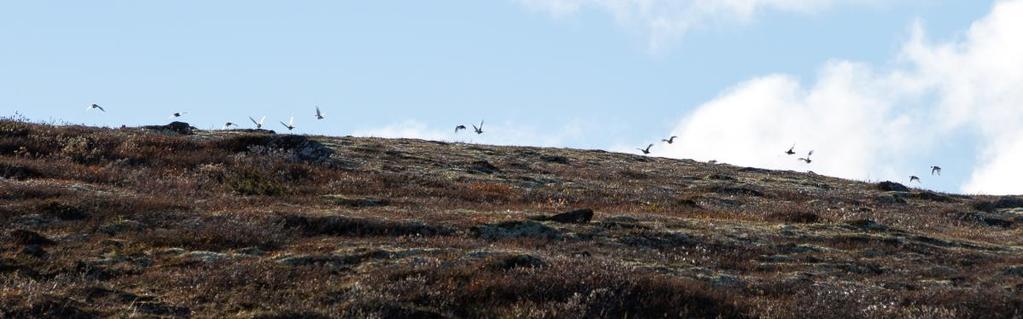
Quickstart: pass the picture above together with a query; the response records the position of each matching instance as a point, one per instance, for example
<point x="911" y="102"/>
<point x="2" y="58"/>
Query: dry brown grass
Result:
<point x="248" y="224"/>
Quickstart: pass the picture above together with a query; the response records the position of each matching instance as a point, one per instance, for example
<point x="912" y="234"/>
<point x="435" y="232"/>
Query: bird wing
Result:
<point x="100" y="108"/>
<point x="253" y="120"/>
<point x="808" y="155"/>
<point x="285" y="124"/>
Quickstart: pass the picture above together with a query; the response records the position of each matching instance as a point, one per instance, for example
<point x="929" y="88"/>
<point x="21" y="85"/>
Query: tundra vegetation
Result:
<point x="172" y="222"/>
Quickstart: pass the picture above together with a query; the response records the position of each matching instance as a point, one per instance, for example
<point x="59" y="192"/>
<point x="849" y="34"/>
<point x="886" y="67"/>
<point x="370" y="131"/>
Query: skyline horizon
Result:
<point x="737" y="82"/>
<point x="453" y="139"/>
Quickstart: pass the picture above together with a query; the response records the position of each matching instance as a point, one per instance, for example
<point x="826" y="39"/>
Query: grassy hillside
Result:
<point x="150" y="222"/>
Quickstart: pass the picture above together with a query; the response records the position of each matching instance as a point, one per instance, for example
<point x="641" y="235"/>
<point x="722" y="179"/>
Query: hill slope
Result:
<point x="102" y="222"/>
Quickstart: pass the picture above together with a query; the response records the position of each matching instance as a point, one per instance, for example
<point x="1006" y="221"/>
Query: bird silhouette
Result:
<point x="96" y="107"/>
<point x="647" y="150"/>
<point x="229" y="125"/>
<point x="479" y="130"/>
<point x="791" y="151"/>
<point x="177" y="115"/>
<point x="670" y="140"/>
<point x="290" y="125"/>
<point x="807" y="158"/>
<point x="460" y="128"/>
<point x="914" y="178"/>
<point x="259" y="124"/>
<point x="936" y="170"/>
<point x="319" y="115"/>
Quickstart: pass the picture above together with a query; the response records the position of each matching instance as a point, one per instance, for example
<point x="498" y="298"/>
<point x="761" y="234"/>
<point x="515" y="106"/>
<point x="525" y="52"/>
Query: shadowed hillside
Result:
<point x="175" y="222"/>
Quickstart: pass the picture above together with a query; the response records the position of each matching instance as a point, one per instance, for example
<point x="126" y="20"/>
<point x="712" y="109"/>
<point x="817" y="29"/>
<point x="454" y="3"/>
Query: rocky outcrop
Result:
<point x="889" y="186"/>
<point x="175" y="127"/>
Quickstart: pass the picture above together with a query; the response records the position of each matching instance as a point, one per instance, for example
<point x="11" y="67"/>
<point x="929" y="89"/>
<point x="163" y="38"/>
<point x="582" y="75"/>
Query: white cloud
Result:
<point x="663" y="21"/>
<point x="1000" y="171"/>
<point x="866" y="122"/>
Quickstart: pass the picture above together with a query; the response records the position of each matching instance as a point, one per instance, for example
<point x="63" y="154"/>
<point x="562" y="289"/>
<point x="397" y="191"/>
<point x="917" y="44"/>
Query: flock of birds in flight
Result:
<point x="935" y="170"/>
<point x="290" y="125"/>
<point x="477" y="129"/>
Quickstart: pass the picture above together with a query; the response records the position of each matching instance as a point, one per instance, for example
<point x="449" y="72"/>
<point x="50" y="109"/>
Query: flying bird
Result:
<point x="177" y="114"/>
<point x="807" y="158"/>
<point x="647" y="150"/>
<point x="290" y="125"/>
<point x="670" y="140"/>
<point x="319" y="115"/>
<point x="229" y="125"/>
<point x="791" y="151"/>
<point x="460" y="128"/>
<point x="914" y="178"/>
<point x="96" y="107"/>
<point x="479" y="130"/>
<point x="936" y="170"/>
<point x="259" y="124"/>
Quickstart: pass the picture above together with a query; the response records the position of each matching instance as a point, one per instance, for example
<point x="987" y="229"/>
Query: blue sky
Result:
<point x="573" y="73"/>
